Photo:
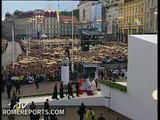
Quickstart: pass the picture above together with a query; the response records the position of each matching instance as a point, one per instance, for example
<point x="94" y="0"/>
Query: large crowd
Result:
<point x="42" y="62"/>
<point x="44" y="58"/>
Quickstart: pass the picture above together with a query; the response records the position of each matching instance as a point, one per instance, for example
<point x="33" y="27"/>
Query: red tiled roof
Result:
<point x="68" y="19"/>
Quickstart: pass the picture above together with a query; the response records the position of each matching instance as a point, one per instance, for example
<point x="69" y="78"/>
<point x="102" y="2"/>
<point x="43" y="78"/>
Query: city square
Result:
<point x="84" y="53"/>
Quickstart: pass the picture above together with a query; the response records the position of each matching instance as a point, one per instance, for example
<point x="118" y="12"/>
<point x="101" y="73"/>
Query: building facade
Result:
<point x="7" y="25"/>
<point x="66" y="26"/>
<point x="151" y="25"/>
<point x="36" y="23"/>
<point x="97" y="14"/>
<point x="112" y="13"/>
<point x="131" y="17"/>
<point x="85" y="12"/>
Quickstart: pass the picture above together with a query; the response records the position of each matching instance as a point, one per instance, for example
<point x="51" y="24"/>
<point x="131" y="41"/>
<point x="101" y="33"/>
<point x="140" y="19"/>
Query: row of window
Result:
<point x="132" y="20"/>
<point x="151" y="2"/>
<point x="36" y="26"/>
<point x="134" y="10"/>
<point x="67" y="32"/>
<point x="34" y="32"/>
<point x="68" y="27"/>
<point x="51" y="21"/>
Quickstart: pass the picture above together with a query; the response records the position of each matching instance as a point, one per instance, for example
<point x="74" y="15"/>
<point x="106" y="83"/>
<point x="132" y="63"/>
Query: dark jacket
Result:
<point x="46" y="106"/>
<point x="101" y="118"/>
<point x="82" y="110"/>
<point x="53" y="117"/>
<point x="77" y="85"/>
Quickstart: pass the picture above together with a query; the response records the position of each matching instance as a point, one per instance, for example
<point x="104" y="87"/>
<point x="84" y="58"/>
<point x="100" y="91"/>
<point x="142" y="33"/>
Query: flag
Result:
<point x="57" y="13"/>
<point x="137" y="21"/>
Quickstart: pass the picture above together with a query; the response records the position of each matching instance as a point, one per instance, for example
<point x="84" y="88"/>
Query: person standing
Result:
<point x="3" y="82"/>
<point x="102" y="74"/>
<point x="77" y="88"/>
<point x="18" y="86"/>
<point x="36" y="81"/>
<point x="46" y="108"/>
<point x="53" y="117"/>
<point x="55" y="92"/>
<point x="81" y="87"/>
<point x="9" y="90"/>
<point x="96" y="75"/>
<point x="61" y="90"/>
<point x="32" y="107"/>
<point x="94" y="86"/>
<point x="13" y="102"/>
<point x="89" y="87"/>
<point x="101" y="117"/>
<point x="89" y="114"/>
<point x="81" y="111"/>
<point x="70" y="90"/>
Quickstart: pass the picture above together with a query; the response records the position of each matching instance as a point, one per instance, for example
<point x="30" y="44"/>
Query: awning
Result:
<point x="43" y="36"/>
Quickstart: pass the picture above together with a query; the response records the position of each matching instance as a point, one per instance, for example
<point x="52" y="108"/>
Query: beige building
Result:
<point x="35" y="24"/>
<point x="111" y="11"/>
<point x="7" y="25"/>
<point x="131" y="17"/>
<point x="85" y="12"/>
<point x="151" y="25"/>
<point x="66" y="26"/>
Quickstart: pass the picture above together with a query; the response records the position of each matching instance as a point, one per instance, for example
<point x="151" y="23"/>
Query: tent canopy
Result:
<point x="44" y="36"/>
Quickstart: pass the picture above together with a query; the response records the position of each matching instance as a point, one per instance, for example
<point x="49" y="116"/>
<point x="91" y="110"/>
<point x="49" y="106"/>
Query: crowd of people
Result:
<point x="88" y="114"/>
<point x="109" y="52"/>
<point x="32" y="72"/>
<point x="111" y="73"/>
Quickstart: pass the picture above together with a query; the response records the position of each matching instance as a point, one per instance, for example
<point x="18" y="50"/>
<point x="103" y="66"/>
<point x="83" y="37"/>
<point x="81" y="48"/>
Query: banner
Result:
<point x="57" y="13"/>
<point x="137" y="21"/>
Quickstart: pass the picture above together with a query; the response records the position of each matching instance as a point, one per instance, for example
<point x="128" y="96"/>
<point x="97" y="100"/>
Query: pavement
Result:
<point x="7" y="56"/>
<point x="70" y="113"/>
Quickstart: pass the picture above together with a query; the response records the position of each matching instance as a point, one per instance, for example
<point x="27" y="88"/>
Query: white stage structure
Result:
<point x="65" y="71"/>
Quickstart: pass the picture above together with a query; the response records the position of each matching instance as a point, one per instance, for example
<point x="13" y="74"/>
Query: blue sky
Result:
<point x="11" y="6"/>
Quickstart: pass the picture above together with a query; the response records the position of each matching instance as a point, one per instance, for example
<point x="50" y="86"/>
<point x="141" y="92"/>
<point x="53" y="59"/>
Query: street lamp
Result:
<point x="39" y="20"/>
<point x="120" y="27"/>
<point x="66" y="22"/>
<point x="72" y="45"/>
<point x="29" y="31"/>
<point x="49" y="32"/>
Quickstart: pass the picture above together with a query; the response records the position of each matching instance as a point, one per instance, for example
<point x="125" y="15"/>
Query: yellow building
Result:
<point x="131" y="17"/>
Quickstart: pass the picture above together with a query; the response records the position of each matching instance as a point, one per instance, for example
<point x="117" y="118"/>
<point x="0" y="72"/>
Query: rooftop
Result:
<point x="68" y="19"/>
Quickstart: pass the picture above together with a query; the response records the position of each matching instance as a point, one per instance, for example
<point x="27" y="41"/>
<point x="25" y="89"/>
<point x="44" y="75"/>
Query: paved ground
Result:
<point x="47" y="87"/>
<point x="7" y="55"/>
<point x="71" y="114"/>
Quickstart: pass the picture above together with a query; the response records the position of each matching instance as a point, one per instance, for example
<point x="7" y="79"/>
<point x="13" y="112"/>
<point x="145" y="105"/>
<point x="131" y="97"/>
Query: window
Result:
<point x="152" y="2"/>
<point x="148" y="2"/>
<point x="84" y="14"/>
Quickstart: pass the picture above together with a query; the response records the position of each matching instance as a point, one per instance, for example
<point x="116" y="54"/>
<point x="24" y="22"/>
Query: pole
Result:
<point x="29" y="36"/>
<point x="27" y="44"/>
<point x="13" y="46"/>
<point x="72" y="44"/>
<point x="58" y="21"/>
<point x="49" y="26"/>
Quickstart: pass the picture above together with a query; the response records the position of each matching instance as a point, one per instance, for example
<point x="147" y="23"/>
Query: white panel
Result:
<point x="65" y="74"/>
